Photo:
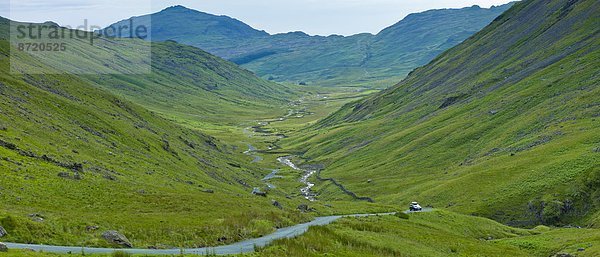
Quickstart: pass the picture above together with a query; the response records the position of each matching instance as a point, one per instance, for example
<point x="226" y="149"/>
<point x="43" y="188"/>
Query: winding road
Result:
<point x="246" y="246"/>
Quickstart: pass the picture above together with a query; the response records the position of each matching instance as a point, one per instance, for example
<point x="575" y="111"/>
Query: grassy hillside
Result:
<point x="77" y="161"/>
<point x="363" y="59"/>
<point x="505" y="125"/>
<point x="178" y="81"/>
<point x="434" y="234"/>
<point x="420" y="37"/>
<point x="189" y="84"/>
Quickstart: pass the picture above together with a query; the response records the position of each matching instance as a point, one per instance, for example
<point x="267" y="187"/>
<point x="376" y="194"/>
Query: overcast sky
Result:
<point x="315" y="17"/>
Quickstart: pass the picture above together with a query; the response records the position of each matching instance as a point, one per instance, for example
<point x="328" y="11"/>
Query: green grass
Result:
<point x="516" y="145"/>
<point x="180" y="82"/>
<point x="516" y="140"/>
<point x="28" y="253"/>
<point x="139" y="173"/>
<point x="439" y="233"/>
<point x="147" y="174"/>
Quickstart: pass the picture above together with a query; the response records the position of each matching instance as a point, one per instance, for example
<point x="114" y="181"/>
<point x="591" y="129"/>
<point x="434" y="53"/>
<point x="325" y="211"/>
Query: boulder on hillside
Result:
<point x="117" y="238"/>
<point x="3" y="232"/>
<point x="258" y="192"/>
<point x="3" y="248"/>
<point x="208" y="191"/>
<point x="36" y="217"/>
<point x="304" y="208"/>
<point x="64" y="175"/>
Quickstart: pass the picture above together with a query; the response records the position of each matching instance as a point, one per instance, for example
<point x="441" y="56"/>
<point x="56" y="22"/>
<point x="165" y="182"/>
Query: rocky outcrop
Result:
<point x="3" y="232"/>
<point x="36" y="217"/>
<point x="277" y="204"/>
<point x="208" y="191"/>
<point x="66" y="175"/>
<point x="117" y="238"/>
<point x="258" y="192"/>
<point x="3" y="248"/>
<point x="75" y="167"/>
<point x="304" y="208"/>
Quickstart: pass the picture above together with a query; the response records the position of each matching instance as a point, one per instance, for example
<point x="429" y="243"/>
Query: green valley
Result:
<point x="85" y="154"/>
<point x="301" y="145"/>
<point x="77" y="161"/>
<point x="183" y="82"/>
<point x="505" y="125"/>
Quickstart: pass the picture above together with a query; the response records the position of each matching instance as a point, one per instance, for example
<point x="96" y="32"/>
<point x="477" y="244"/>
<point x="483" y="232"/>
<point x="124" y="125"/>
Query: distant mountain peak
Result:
<point x="178" y="22"/>
<point x="394" y="52"/>
<point x="296" y="33"/>
<point x="177" y="7"/>
<point x="183" y="9"/>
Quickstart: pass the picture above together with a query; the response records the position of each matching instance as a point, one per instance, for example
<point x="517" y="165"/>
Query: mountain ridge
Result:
<point x="330" y="60"/>
<point x="183" y="79"/>
<point x="188" y="9"/>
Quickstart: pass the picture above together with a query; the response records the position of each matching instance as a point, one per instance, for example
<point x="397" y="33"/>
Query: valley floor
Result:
<point x="181" y="217"/>
<point x="439" y="233"/>
<point x="500" y="134"/>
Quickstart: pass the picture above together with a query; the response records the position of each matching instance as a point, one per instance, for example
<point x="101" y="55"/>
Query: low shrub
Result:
<point x="9" y="223"/>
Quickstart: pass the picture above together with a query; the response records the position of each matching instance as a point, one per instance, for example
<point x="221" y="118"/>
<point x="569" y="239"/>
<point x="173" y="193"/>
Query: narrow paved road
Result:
<point x="237" y="248"/>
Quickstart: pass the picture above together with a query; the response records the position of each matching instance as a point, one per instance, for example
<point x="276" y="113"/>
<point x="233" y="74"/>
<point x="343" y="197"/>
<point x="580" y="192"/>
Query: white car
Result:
<point x="414" y="206"/>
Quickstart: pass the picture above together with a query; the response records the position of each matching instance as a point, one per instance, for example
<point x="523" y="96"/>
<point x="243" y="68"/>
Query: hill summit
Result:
<point x="331" y="60"/>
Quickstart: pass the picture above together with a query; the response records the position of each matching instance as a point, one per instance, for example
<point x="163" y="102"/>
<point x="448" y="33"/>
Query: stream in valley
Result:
<point x="305" y="191"/>
<point x="285" y="160"/>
